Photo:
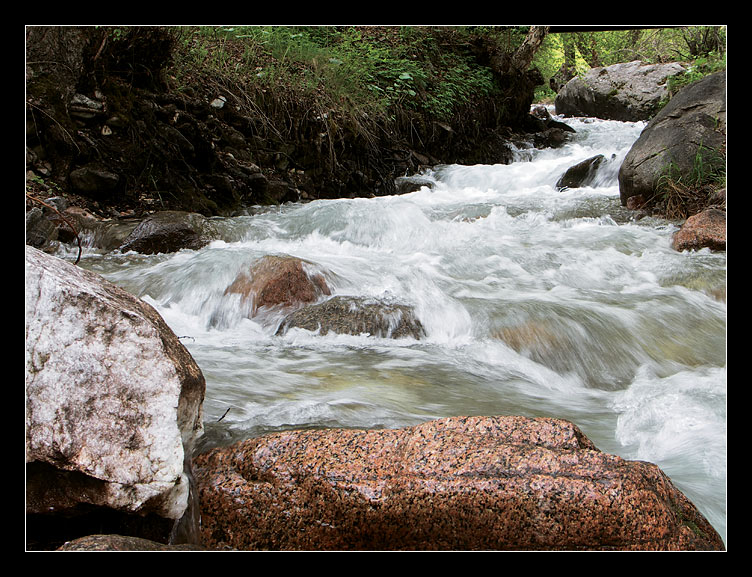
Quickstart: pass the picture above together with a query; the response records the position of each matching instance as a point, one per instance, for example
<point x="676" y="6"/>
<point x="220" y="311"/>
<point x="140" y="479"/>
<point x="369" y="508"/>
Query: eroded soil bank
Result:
<point x="109" y="127"/>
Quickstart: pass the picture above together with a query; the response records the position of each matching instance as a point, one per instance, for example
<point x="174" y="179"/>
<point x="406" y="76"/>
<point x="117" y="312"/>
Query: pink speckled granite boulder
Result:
<point x="705" y="229"/>
<point x="461" y="483"/>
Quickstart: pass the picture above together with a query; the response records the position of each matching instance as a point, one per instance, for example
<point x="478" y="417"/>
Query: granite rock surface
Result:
<point x="460" y="483"/>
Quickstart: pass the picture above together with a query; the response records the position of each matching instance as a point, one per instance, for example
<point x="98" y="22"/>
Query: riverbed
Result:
<point x="536" y="301"/>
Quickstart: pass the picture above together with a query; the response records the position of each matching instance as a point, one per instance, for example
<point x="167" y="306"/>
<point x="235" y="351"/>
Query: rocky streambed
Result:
<point x="461" y="483"/>
<point x="454" y="483"/>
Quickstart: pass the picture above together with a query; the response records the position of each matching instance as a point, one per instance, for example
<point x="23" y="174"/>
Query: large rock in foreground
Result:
<point x="113" y="399"/>
<point x="628" y="91"/>
<point x="463" y="483"/>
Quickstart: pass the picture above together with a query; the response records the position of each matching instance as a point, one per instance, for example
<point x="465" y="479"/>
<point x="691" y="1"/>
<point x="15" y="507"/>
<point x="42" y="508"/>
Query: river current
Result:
<point x="535" y="301"/>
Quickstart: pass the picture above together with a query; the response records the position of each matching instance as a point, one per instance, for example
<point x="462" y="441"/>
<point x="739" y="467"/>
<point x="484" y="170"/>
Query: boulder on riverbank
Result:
<point x="114" y="403"/>
<point x="168" y="231"/>
<point x="629" y="91"/>
<point x="461" y="483"/>
<point x="685" y="140"/>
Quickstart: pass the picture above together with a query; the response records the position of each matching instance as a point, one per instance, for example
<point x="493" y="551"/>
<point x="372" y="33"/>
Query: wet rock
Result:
<point x="553" y="137"/>
<point x="40" y="231"/>
<point x="355" y="316"/>
<point x="581" y="174"/>
<point x="95" y="232"/>
<point x="461" y="483"/>
<point x="279" y="281"/>
<point x="113" y="400"/>
<point x="46" y="226"/>
<point x="706" y="229"/>
<point x="407" y="184"/>
<point x="168" y="231"/>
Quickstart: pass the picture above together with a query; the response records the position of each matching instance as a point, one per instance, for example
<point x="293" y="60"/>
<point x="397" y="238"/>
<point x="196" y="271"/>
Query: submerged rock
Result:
<point x="279" y="281"/>
<point x="355" y="316"/>
<point x="407" y="184"/>
<point x="113" y="401"/>
<point x="461" y="483"/>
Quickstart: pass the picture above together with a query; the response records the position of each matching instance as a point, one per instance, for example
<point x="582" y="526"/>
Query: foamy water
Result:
<point x="535" y="302"/>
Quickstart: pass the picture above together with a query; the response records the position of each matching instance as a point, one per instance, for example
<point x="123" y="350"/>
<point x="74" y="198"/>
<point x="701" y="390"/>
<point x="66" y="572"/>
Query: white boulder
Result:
<point x="113" y="399"/>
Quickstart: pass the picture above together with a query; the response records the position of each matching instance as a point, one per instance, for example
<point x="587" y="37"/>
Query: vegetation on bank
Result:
<point x="682" y="195"/>
<point x="436" y="71"/>
<point x="365" y="70"/>
<point x="337" y="100"/>
<point x="564" y="55"/>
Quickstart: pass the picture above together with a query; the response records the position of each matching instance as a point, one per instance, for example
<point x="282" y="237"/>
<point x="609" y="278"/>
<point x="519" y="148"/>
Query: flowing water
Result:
<point x="535" y="302"/>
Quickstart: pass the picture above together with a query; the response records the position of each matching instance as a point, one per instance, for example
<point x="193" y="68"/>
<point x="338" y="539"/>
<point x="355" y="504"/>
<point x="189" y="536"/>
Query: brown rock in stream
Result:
<point x="461" y="483"/>
<point x="706" y="229"/>
<point x="279" y="280"/>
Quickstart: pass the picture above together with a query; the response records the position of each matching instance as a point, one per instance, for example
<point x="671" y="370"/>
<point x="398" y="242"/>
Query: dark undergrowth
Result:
<point x="328" y="111"/>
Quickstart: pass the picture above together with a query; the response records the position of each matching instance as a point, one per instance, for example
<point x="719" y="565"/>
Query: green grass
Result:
<point x="685" y="194"/>
<point x="375" y="70"/>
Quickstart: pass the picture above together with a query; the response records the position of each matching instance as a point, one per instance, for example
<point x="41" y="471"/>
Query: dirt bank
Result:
<point x="110" y="127"/>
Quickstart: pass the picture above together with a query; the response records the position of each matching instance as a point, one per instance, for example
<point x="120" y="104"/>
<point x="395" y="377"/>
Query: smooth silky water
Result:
<point x="536" y="302"/>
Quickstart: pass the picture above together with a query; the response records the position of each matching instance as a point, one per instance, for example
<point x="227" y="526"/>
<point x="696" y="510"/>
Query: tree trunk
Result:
<point x="517" y="81"/>
<point x="524" y="55"/>
<point x="586" y="45"/>
<point x="503" y="63"/>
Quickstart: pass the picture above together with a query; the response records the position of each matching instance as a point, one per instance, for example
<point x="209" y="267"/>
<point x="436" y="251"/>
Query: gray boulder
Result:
<point x="355" y="316"/>
<point x="113" y="399"/>
<point x="690" y="127"/>
<point x="630" y="91"/>
<point x="168" y="231"/>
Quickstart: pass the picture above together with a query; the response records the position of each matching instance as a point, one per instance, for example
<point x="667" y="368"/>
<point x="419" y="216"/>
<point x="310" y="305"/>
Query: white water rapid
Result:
<point x="535" y="302"/>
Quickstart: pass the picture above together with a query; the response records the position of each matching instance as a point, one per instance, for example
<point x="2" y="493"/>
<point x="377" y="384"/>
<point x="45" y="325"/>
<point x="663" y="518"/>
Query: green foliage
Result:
<point x="372" y="69"/>
<point x="378" y="71"/>
<point x="703" y="48"/>
<point x="687" y="193"/>
<point x="698" y="69"/>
